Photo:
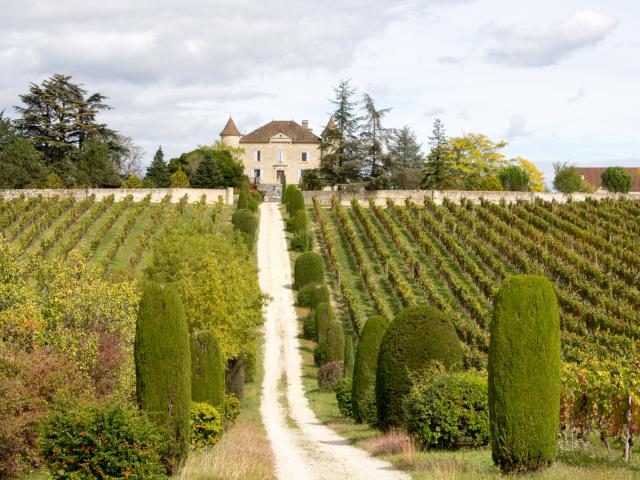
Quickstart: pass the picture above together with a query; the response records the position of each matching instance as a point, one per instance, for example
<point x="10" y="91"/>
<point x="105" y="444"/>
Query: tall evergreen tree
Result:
<point x="342" y="162"/>
<point x="436" y="172"/>
<point x="157" y="173"/>
<point x="207" y="175"/>
<point x="373" y="138"/>
<point x="406" y="160"/>
<point x="21" y="164"/>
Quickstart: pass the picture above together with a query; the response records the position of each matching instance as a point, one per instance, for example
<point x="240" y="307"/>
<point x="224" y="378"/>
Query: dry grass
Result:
<point x="243" y="453"/>
<point x="393" y="442"/>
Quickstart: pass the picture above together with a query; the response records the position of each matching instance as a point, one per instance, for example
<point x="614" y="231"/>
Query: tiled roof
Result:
<point x="296" y="132"/>
<point x="230" y="129"/>
<point x="593" y="176"/>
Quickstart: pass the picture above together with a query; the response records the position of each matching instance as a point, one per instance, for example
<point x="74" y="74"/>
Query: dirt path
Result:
<point x="305" y="449"/>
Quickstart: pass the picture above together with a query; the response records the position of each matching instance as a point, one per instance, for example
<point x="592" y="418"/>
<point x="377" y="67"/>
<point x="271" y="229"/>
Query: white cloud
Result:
<point x="513" y="47"/>
<point x="578" y="97"/>
<point x="434" y="112"/>
<point x="516" y="128"/>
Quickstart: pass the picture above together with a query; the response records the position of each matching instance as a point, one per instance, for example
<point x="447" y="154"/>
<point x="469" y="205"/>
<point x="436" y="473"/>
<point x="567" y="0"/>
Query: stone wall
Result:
<point x="157" y="194"/>
<point x="399" y="196"/>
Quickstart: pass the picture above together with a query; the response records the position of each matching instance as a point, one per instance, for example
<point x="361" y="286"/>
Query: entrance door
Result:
<point x="279" y="175"/>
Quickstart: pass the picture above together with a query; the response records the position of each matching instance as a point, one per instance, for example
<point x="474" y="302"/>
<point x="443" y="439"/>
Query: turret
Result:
<point x="230" y="135"/>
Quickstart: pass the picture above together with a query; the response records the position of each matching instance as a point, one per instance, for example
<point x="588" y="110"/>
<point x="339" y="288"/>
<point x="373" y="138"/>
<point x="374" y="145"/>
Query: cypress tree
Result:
<point x="243" y="200"/>
<point x="207" y="370"/>
<point x="335" y="342"/>
<point x="365" y="367"/>
<point x="287" y="195"/>
<point x="324" y="318"/>
<point x="158" y="173"/>
<point x="163" y="367"/>
<point x="283" y="196"/>
<point x="348" y="356"/>
<point x="308" y="268"/>
<point x="524" y="374"/>
<point x="296" y="202"/>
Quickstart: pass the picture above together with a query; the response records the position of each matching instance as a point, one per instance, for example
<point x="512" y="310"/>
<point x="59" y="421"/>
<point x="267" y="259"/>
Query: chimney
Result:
<point x="305" y="124"/>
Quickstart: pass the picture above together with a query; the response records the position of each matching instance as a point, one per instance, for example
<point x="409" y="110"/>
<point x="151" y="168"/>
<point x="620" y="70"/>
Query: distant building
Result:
<point x="279" y="148"/>
<point x="593" y="176"/>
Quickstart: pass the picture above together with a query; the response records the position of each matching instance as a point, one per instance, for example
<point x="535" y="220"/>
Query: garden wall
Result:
<point x="399" y="196"/>
<point x="157" y="194"/>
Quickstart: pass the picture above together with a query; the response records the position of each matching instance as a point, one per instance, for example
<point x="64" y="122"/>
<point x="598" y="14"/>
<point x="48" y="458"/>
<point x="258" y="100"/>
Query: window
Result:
<point x="256" y="173"/>
<point x="280" y="156"/>
<point x="305" y="157"/>
<point x="257" y="155"/>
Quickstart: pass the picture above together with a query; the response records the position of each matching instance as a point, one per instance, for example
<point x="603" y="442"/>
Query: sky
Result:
<point x="557" y="80"/>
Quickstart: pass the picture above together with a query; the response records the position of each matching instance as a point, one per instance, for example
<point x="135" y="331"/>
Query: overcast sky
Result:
<point x="558" y="79"/>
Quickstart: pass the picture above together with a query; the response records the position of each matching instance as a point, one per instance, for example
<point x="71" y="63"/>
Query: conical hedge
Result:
<point x="296" y="202"/>
<point x="308" y="268"/>
<point x="365" y="368"/>
<point x="524" y="374"/>
<point x="247" y="223"/>
<point x="348" y="356"/>
<point x="163" y="367"/>
<point x="207" y="370"/>
<point x="418" y="337"/>
<point x="324" y="317"/>
<point x="335" y="342"/>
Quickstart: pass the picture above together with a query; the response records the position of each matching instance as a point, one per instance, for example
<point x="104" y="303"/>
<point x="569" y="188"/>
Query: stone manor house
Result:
<point x="279" y="148"/>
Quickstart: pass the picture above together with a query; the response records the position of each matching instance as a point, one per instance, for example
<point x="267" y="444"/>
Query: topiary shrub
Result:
<point x="324" y="317"/>
<point x="243" y="199"/>
<point x="365" y="368"/>
<point x="296" y="202"/>
<point x="299" y="221"/>
<point x="343" y="396"/>
<point x="449" y="411"/>
<point x="309" y="327"/>
<point x="309" y="268"/>
<point x="107" y="441"/>
<point x="163" y="367"/>
<point x="524" y="374"/>
<point x="418" y="337"/>
<point x="206" y="425"/>
<point x="287" y="195"/>
<point x="207" y="370"/>
<point x="231" y="409"/>
<point x="302" y="241"/>
<point x="329" y="376"/>
<point x="617" y="179"/>
<point x="247" y="223"/>
<point x="335" y="342"/>
<point x="312" y="294"/>
<point x="320" y="355"/>
<point x="348" y="356"/>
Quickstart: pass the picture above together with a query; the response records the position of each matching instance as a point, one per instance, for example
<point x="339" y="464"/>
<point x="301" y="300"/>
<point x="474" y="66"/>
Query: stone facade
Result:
<point x="275" y="149"/>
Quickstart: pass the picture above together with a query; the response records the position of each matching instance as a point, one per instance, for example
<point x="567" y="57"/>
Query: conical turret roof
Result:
<point x="230" y="129"/>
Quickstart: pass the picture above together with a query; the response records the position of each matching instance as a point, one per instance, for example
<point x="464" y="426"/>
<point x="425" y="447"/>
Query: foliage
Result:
<point x="524" y="374"/>
<point x="406" y="159"/>
<point x="299" y="220"/>
<point x="373" y="136"/>
<point x="449" y="411"/>
<point x="53" y="181"/>
<point x="311" y="180"/>
<point x="536" y="178"/>
<point x="286" y="196"/>
<point x="216" y="277"/>
<point x="439" y="161"/>
<point x="179" y="179"/>
<point x="309" y="268"/>
<point x="343" y="396"/>
<point x="320" y="355"/>
<point x="348" y="356"/>
<point x="418" y="337"/>
<point x="243" y="201"/>
<point x="207" y="370"/>
<point x="231" y="409"/>
<point x="475" y="156"/>
<point x="617" y="179"/>
<point x="335" y="342"/>
<point x="109" y="441"/>
<point x="247" y="223"/>
<point x="329" y="376"/>
<point x="163" y="367"/>
<point x="132" y="182"/>
<point x="514" y="178"/>
<point x="206" y="425"/>
<point x="21" y="165"/>
<point x="295" y="202"/>
<point x="235" y="375"/>
<point x="215" y="167"/>
<point x="309" y="327"/>
<point x="324" y="316"/>
<point x="567" y="179"/>
<point x="312" y="294"/>
<point x="365" y="366"/>
<point x="302" y="241"/>
<point x="95" y="166"/>
<point x="157" y="175"/>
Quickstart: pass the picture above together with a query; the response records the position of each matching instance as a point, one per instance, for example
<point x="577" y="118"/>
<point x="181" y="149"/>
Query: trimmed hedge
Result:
<point x="207" y="370"/>
<point x="243" y="199"/>
<point x="309" y="327"/>
<point x="302" y="241"/>
<point x="287" y="195"/>
<point x="348" y="356"/>
<point x="343" y="396"/>
<point x="313" y="294"/>
<point x="309" y="268"/>
<point x="324" y="317"/>
<point x="163" y="367"/>
<point x="296" y="202"/>
<point x="449" y="411"/>
<point x="335" y="342"/>
<point x="299" y="221"/>
<point x="418" y="337"/>
<point x="365" y="367"/>
<point x="524" y="374"/>
<point x="247" y="223"/>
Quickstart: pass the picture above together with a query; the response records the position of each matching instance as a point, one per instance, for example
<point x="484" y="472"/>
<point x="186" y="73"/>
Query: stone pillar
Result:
<point x="229" y="196"/>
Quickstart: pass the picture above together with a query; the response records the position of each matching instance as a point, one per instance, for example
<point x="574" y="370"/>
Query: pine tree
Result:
<point x="436" y="172"/>
<point x="179" y="179"/>
<point x="157" y="173"/>
<point x="406" y="160"/>
<point x="373" y="137"/>
<point x="207" y="174"/>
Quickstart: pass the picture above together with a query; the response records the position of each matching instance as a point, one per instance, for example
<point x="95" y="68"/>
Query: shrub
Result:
<point x="249" y="362"/>
<point x="524" y="374"/>
<point x="335" y="342"/>
<point x="309" y="327"/>
<point x="348" y="356"/>
<point x="243" y="200"/>
<point x="283" y="190"/>
<point x="418" y="337"/>
<point x="449" y="411"/>
<point x="206" y="425"/>
<point x="287" y="194"/>
<point x="312" y="294"/>
<point x="567" y="179"/>
<point x="343" y="396"/>
<point x="320" y="355"/>
<point x="109" y="441"/>
<point x="324" y="317"/>
<point x="365" y="367"/>
<point x="163" y="367"/>
<point x="179" y="179"/>
<point x="299" y="220"/>
<point x="231" y="409"/>
<point x="617" y="179"/>
<point x="329" y="376"/>
<point x="302" y="241"/>
<point x="207" y="370"/>
<point x="514" y="178"/>
<point x="296" y="202"/>
<point x="253" y="202"/>
<point x="308" y="269"/>
<point x="247" y="223"/>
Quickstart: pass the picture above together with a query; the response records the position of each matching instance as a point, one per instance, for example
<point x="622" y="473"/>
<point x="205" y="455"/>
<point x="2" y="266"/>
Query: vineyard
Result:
<point x="456" y="256"/>
<point x="114" y="234"/>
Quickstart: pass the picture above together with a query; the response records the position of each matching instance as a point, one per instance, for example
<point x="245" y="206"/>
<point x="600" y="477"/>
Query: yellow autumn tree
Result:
<point x="476" y="159"/>
<point x="536" y="178"/>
